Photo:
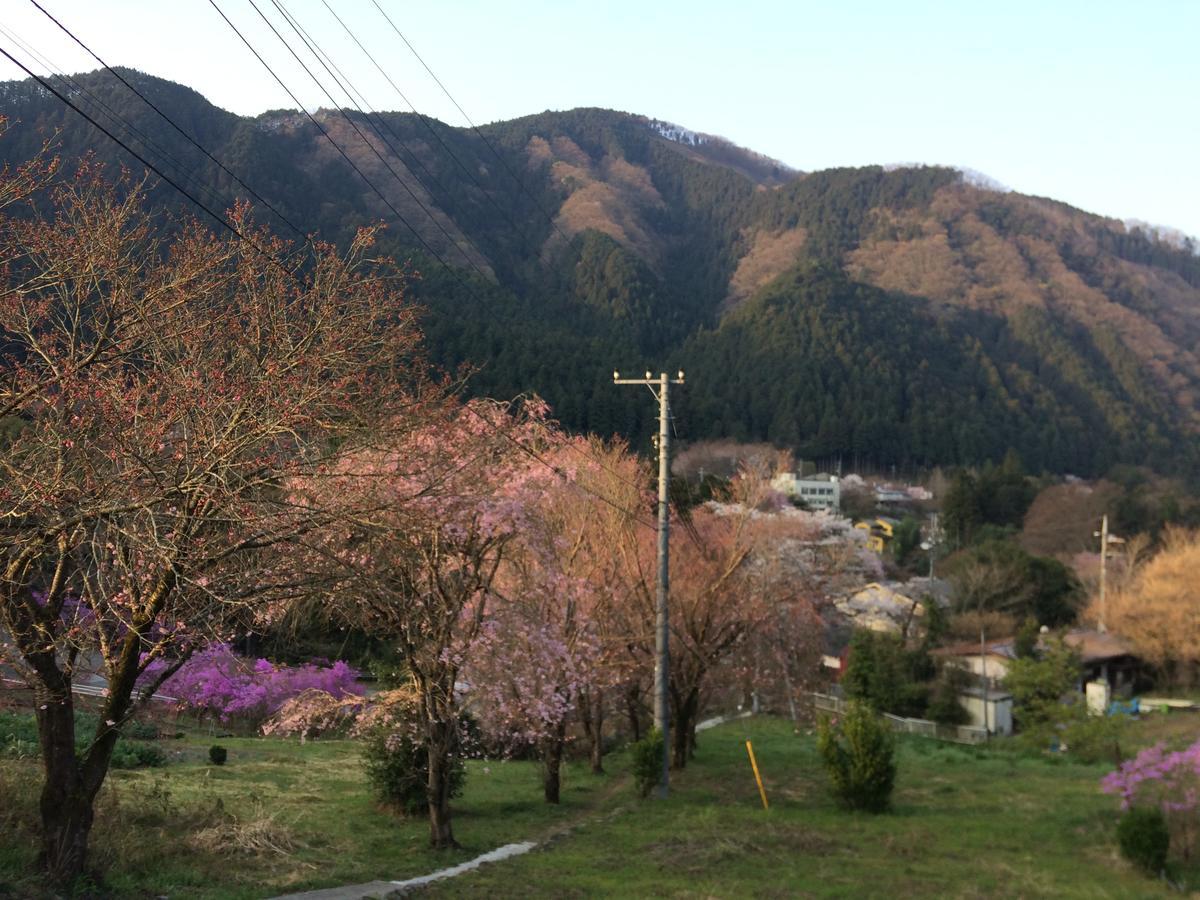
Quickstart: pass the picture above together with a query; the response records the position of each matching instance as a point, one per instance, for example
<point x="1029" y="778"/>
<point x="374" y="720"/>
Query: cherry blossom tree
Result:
<point x="429" y="521"/>
<point x="548" y="656"/>
<point x="163" y="390"/>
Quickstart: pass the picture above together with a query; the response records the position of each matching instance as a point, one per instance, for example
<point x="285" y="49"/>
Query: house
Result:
<point x="885" y="494"/>
<point x="1105" y="657"/>
<point x="817" y="492"/>
<point x="891" y="607"/>
<point x="879" y="607"/>
<point x="880" y="531"/>
<point x="985" y="700"/>
<point x="990" y="661"/>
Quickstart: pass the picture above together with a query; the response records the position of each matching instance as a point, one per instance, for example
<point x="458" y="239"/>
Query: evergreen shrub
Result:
<point x="859" y="753"/>
<point x="1144" y="838"/>
<point x="647" y="762"/>
<point x="398" y="769"/>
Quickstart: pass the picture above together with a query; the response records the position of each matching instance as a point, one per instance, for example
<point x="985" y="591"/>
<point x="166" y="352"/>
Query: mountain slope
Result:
<point x="904" y="316"/>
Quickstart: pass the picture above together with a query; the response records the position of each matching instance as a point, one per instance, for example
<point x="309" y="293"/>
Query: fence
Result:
<point x="958" y="734"/>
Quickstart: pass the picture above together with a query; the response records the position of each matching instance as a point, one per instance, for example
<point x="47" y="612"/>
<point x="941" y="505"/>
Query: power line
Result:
<point x="220" y="220"/>
<point x="557" y="470"/>
<point x="81" y="90"/>
<point x="240" y="235"/>
<point x="339" y="149"/>
<point x="432" y="131"/>
<point x="428" y="126"/>
<point x="171" y="122"/>
<point x="347" y="87"/>
<point x="347" y="158"/>
<point x="369" y="112"/>
<point x="373" y="149"/>
<point x="474" y="127"/>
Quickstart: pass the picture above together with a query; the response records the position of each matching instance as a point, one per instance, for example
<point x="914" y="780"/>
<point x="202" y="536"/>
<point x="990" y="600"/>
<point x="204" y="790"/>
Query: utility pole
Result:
<point x="1103" y="572"/>
<point x="662" y="634"/>
<point x="1105" y="540"/>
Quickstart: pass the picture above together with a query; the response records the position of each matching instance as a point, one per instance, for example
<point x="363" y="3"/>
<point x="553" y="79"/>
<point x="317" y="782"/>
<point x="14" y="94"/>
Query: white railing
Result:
<point x="958" y="734"/>
<point x="93" y="690"/>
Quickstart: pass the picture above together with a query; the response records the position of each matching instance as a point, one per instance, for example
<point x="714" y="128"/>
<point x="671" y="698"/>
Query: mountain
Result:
<point x="901" y="316"/>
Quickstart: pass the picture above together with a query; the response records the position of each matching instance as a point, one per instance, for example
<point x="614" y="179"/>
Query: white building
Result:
<point x="816" y="491"/>
<point x="990" y="709"/>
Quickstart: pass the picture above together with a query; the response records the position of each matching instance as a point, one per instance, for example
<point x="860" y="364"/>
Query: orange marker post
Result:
<point x="762" y="792"/>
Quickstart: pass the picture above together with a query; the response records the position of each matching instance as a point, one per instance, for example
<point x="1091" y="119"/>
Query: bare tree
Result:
<point x="163" y="391"/>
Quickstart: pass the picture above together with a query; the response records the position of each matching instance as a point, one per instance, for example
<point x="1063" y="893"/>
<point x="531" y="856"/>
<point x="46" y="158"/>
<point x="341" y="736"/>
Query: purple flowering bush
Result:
<point x="216" y="681"/>
<point x="1167" y="780"/>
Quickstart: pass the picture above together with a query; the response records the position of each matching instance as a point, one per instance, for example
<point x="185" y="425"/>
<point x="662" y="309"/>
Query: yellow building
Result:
<point x="880" y="531"/>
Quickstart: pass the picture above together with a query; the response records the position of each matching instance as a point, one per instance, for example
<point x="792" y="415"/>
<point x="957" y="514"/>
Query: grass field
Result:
<point x="282" y="816"/>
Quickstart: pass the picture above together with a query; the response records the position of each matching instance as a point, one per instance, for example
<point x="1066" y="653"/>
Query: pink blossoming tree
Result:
<point x="546" y="655"/>
<point x="431" y="519"/>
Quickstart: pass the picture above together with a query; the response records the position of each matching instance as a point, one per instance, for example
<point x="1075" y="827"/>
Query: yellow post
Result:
<point x="762" y="792"/>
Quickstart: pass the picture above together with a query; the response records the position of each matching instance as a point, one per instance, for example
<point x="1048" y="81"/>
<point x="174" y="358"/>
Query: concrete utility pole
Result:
<point x="662" y="634"/>
<point x="1105" y="540"/>
<point x="1103" y="535"/>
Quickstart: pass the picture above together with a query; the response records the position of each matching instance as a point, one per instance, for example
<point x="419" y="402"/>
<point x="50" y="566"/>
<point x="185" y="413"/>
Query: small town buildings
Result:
<point x="885" y="494"/>
<point x="1104" y="657"/>
<point x="817" y="492"/>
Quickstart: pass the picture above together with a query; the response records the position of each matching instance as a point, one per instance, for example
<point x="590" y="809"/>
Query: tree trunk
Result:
<point x="597" y="754"/>
<point x="441" y="744"/>
<point x="66" y="802"/>
<point x="552" y="755"/>
<point x="683" y="730"/>
<point x="441" y="834"/>
<point x="632" y="710"/>
<point x="591" y="716"/>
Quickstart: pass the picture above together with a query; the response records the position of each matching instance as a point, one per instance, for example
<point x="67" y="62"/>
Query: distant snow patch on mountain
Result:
<point x="763" y="169"/>
<point x="679" y="134"/>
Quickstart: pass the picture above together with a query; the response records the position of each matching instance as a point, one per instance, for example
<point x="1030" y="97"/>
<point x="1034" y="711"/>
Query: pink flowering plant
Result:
<point x="217" y="682"/>
<point x="1169" y="780"/>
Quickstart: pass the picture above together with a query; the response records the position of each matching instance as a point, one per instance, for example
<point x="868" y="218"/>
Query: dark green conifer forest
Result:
<point x="901" y="317"/>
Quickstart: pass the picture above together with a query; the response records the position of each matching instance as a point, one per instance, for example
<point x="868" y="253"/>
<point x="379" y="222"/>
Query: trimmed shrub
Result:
<point x="398" y="770"/>
<point x="217" y="755"/>
<point x="1144" y="839"/>
<point x="859" y="753"/>
<point x="140" y="731"/>
<point x="137" y="755"/>
<point x="647" y="762"/>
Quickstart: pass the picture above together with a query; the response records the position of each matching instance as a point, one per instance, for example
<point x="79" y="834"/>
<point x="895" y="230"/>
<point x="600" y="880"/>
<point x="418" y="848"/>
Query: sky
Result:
<point x="1093" y="103"/>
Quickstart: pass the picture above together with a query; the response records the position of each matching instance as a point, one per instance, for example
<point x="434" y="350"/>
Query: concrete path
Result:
<point x="721" y="720"/>
<point x="390" y="888"/>
<point x="380" y="890"/>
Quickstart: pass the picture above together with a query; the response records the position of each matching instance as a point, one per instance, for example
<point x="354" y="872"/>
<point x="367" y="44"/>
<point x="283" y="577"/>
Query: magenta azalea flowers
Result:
<point x="1169" y="780"/>
<point x="219" y="682"/>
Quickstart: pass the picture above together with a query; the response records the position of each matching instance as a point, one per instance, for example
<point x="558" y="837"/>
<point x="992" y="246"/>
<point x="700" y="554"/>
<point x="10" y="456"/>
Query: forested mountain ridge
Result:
<point x="905" y="316"/>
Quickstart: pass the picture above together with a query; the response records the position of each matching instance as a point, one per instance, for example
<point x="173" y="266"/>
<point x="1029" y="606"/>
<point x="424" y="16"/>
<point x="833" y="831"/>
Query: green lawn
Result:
<point x="966" y="824"/>
<point x="279" y="816"/>
<point x="282" y="816"/>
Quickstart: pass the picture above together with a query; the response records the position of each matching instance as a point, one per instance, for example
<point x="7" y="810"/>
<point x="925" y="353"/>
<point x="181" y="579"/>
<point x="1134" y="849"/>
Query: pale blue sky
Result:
<point x="1094" y="103"/>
